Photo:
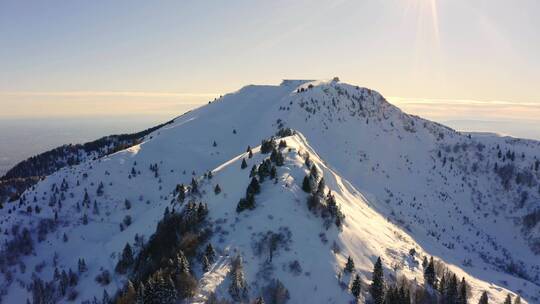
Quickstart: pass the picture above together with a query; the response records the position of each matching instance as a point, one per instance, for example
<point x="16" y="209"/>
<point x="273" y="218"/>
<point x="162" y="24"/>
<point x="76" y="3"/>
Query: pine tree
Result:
<point x="484" y="298"/>
<point x="425" y="262"/>
<point x="194" y="186"/>
<point x="253" y="171"/>
<point x="254" y="187"/>
<point x="181" y="263"/>
<point x="95" y="210"/>
<point x="517" y="300"/>
<point x="356" y="287"/>
<point x="462" y="296"/>
<point x="391" y="296"/>
<point x="129" y="296"/>
<point x="306" y="184"/>
<point x="127" y="204"/>
<point x="210" y="253"/>
<point x="160" y="289"/>
<point x="313" y="172"/>
<point x="217" y="189"/>
<point x="377" y="286"/>
<point x="404" y="296"/>
<point x="320" y="187"/>
<point x="349" y="266"/>
<point x="273" y="172"/>
<point x="246" y="203"/>
<point x="508" y="299"/>
<point x="244" y="164"/>
<point x="451" y="291"/>
<point x="442" y="285"/>
<point x="205" y="263"/>
<point x="429" y="273"/>
<point x="82" y="266"/>
<point x="99" y="191"/>
<point x="139" y="299"/>
<point x="238" y="287"/>
<point x="126" y="260"/>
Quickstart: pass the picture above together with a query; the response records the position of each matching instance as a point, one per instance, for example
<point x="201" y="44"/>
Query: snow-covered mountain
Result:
<point x="404" y="189"/>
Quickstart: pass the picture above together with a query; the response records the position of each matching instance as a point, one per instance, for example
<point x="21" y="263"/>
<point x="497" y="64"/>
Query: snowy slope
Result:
<point x="365" y="236"/>
<point x="383" y="165"/>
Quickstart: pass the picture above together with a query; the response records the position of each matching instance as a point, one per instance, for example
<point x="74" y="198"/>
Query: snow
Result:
<point x="380" y="163"/>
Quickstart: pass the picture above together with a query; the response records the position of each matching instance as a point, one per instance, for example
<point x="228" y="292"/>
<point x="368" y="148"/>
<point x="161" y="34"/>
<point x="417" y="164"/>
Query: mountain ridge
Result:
<point x="385" y="155"/>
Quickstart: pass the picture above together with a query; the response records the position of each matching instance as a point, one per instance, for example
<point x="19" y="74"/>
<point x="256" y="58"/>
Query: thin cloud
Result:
<point x="104" y="94"/>
<point x="442" y="109"/>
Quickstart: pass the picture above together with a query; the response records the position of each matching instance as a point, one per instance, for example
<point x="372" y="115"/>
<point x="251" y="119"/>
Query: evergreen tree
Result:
<point x="391" y="296"/>
<point x="210" y="253"/>
<point x="517" y="300"/>
<point x="320" y="187"/>
<point x="349" y="266"/>
<point x="244" y="164"/>
<point x="451" y="290"/>
<point x="127" y="204"/>
<point x="126" y="260"/>
<point x="377" y="285"/>
<point x="139" y="299"/>
<point x="253" y="171"/>
<point x="277" y="293"/>
<point x="254" y="187"/>
<point x="404" y="296"/>
<point x="484" y="298"/>
<point x="442" y="286"/>
<point x="181" y="264"/>
<point x="429" y="273"/>
<point x="181" y="189"/>
<point x="277" y="157"/>
<point x="82" y="266"/>
<point x="95" y="209"/>
<point x="462" y="296"/>
<point x="246" y="203"/>
<point x="217" y="189"/>
<point x="99" y="190"/>
<point x="194" y="186"/>
<point x="160" y="289"/>
<point x="356" y="287"/>
<point x="238" y="287"/>
<point x="306" y="184"/>
<point x="313" y="172"/>
<point x="205" y="263"/>
<point x="508" y="299"/>
<point x="273" y="172"/>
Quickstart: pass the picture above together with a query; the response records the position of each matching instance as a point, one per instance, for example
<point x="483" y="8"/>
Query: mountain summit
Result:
<point x="310" y="191"/>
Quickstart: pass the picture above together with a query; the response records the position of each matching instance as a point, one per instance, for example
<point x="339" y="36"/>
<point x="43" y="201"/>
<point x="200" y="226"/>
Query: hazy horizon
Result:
<point x="472" y="65"/>
<point x="28" y="136"/>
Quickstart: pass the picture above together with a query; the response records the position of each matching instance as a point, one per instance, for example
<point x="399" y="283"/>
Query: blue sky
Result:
<point x="62" y="57"/>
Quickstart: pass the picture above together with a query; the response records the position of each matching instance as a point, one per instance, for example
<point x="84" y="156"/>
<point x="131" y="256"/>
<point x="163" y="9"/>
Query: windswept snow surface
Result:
<point x="401" y="181"/>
